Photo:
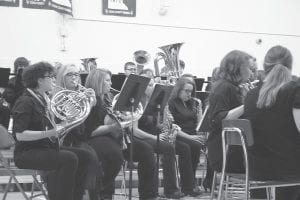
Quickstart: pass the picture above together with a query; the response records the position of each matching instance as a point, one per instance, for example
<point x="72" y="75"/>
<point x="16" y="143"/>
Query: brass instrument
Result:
<point x="72" y="107"/>
<point x="198" y="108"/>
<point x="124" y="119"/>
<point x="170" y="55"/>
<point x="141" y="58"/>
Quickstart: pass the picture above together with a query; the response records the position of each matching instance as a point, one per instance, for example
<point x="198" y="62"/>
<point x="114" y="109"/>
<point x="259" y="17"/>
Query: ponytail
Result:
<point x="276" y="78"/>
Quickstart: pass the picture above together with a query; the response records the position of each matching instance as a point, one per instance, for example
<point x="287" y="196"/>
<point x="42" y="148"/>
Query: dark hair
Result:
<point x="278" y="55"/>
<point x="231" y="64"/>
<point x="128" y="64"/>
<point x="32" y="73"/>
<point x="180" y="84"/>
<point x="20" y="62"/>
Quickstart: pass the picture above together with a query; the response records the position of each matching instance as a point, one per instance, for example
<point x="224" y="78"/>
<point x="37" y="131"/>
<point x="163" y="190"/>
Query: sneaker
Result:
<point x="175" y="195"/>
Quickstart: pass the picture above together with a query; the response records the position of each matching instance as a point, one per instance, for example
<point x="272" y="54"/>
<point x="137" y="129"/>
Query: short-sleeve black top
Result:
<point x="276" y="149"/>
<point x="185" y="116"/>
<point x="29" y="114"/>
<point x="224" y="97"/>
<point x="97" y="116"/>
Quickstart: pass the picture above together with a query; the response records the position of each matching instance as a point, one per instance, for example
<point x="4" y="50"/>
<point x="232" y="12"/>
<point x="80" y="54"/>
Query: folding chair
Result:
<point x="8" y="169"/>
<point x="239" y="132"/>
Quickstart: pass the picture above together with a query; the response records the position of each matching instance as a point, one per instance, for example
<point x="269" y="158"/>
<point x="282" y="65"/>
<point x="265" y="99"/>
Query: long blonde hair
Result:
<point x="277" y="64"/>
<point x="95" y="80"/>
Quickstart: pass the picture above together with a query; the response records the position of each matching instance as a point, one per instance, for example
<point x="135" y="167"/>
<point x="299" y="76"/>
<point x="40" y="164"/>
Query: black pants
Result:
<point x="189" y="154"/>
<point x="143" y="153"/>
<point x="93" y="180"/>
<point x="169" y="170"/>
<point x="67" y="170"/>
<point x="4" y="116"/>
<point x="111" y="157"/>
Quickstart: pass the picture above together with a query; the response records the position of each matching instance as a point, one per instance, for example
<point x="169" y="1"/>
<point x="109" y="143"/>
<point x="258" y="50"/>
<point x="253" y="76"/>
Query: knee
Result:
<point x="69" y="159"/>
<point x="168" y="149"/>
<point x="184" y="150"/>
<point x="116" y="157"/>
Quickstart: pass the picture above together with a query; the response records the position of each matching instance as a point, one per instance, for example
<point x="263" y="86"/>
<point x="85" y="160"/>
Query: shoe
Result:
<point x="193" y="193"/>
<point x="175" y="195"/>
<point x="207" y="184"/>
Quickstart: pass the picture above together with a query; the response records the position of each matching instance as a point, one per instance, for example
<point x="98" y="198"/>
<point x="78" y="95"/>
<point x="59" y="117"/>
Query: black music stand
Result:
<point x="199" y="83"/>
<point x="4" y="77"/>
<point x="155" y="107"/>
<point x="118" y="81"/>
<point x="130" y="96"/>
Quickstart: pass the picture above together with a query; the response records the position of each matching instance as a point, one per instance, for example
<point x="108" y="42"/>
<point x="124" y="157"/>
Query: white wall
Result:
<point x="209" y="29"/>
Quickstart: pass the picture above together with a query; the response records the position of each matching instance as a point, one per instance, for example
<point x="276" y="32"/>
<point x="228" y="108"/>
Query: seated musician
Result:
<point x="225" y="102"/>
<point x="108" y="141"/>
<point x="15" y="87"/>
<point x="186" y="112"/>
<point x="68" y="77"/>
<point x="34" y="126"/>
<point x="147" y="131"/>
<point x="274" y="111"/>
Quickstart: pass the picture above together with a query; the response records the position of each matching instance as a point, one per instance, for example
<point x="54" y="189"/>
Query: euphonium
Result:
<point x="170" y="55"/>
<point x="72" y="107"/>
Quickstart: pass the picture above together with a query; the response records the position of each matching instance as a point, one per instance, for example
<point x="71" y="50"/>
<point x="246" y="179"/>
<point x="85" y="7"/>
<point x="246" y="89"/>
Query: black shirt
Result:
<point x="185" y="116"/>
<point x="224" y="97"/>
<point x="276" y="149"/>
<point x="30" y="114"/>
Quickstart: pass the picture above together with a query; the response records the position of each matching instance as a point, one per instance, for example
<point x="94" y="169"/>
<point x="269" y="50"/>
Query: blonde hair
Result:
<point x="95" y="80"/>
<point x="276" y="78"/>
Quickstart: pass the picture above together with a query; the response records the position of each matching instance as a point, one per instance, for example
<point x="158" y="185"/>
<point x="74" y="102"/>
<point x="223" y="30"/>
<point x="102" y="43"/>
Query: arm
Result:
<point x="190" y="137"/>
<point x="140" y="133"/>
<point x="28" y="135"/>
<point x="235" y="113"/>
<point x="296" y="115"/>
<point x="105" y="129"/>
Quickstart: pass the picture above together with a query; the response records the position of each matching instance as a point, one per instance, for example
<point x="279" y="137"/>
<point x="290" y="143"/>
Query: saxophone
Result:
<point x="169" y="129"/>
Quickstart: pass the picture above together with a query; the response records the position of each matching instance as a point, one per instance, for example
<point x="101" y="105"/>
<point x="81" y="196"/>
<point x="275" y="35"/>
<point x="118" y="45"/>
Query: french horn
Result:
<point x="71" y="107"/>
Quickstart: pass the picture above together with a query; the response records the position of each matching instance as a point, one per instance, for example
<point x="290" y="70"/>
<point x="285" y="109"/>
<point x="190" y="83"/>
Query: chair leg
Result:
<point x="7" y="188"/>
<point x="20" y="188"/>
<point x="212" y="192"/>
<point x="40" y="186"/>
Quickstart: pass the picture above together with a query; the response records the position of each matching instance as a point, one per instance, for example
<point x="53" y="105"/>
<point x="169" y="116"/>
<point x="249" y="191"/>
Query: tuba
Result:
<point x="141" y="58"/>
<point x="170" y="55"/>
<point x="72" y="107"/>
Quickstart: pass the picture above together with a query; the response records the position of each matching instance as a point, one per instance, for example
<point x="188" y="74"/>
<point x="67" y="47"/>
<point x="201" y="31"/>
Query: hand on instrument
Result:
<point x="197" y="138"/>
<point x="115" y="129"/>
<point x="125" y="124"/>
<point x="163" y="137"/>
<point x="91" y="94"/>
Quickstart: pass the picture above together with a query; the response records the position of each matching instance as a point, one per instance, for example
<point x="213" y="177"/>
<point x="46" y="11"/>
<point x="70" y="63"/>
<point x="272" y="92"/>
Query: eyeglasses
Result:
<point x="72" y="74"/>
<point x="50" y="76"/>
<point x="187" y="91"/>
<point x="131" y="69"/>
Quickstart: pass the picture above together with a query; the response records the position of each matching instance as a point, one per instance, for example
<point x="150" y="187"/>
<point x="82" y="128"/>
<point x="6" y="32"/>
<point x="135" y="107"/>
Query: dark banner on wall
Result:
<point x="126" y="8"/>
<point x="13" y="3"/>
<point x="62" y="6"/>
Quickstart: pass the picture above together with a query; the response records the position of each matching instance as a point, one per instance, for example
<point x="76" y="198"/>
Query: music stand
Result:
<point x="199" y="83"/>
<point x="83" y="77"/>
<point x="118" y="81"/>
<point x="4" y="77"/>
<point x="155" y="107"/>
<point x="130" y="96"/>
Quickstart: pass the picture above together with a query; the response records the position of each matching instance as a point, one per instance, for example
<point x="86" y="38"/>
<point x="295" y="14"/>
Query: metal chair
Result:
<point x="7" y="168"/>
<point x="239" y="132"/>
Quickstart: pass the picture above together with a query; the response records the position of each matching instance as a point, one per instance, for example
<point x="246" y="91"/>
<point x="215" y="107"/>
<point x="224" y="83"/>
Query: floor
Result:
<point x="18" y="196"/>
